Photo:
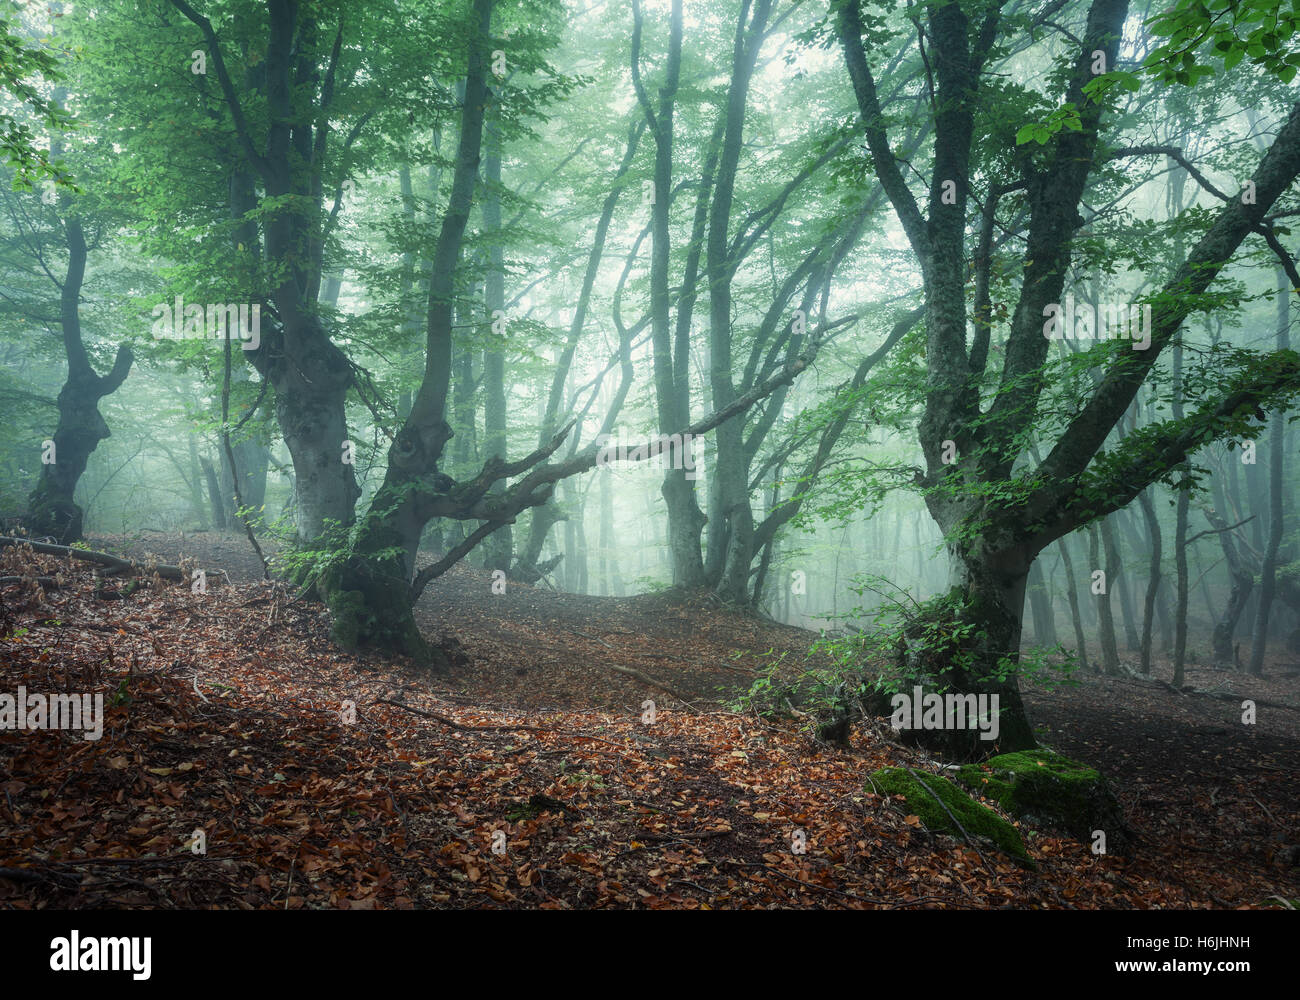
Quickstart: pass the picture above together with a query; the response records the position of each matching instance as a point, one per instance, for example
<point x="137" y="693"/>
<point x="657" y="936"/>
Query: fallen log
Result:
<point x="48" y="582"/>
<point x="112" y="562"/>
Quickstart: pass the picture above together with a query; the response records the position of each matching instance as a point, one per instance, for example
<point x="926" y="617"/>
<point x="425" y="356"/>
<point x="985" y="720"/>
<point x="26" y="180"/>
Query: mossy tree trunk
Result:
<point x="967" y="643"/>
<point x="994" y="603"/>
<point x="369" y="593"/>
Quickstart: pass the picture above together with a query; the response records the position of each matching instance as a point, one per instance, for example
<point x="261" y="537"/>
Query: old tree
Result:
<point x="998" y="499"/>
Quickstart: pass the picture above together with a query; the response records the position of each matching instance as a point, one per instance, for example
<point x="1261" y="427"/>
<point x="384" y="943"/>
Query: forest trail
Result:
<point x="228" y="719"/>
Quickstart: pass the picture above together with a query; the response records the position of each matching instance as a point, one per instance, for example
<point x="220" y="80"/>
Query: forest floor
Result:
<point x="526" y="777"/>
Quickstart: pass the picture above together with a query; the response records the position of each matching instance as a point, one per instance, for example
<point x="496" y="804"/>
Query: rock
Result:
<point x="977" y="820"/>
<point x="1052" y="792"/>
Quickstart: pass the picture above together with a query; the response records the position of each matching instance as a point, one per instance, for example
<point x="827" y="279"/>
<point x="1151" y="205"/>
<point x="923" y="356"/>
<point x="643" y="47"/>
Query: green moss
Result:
<point x="1049" y="790"/>
<point x="978" y="820"/>
<point x="999" y="776"/>
<point x="347" y="608"/>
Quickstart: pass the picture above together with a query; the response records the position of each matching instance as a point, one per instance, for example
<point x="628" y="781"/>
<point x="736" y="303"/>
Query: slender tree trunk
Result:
<point x="196" y="489"/>
<point x="1072" y="592"/>
<point x="1106" y="621"/>
<point x="1153" y="577"/>
<point x="583" y="583"/>
<point x="1276" y="459"/>
<point x="672" y="397"/>
<point x="499" y="547"/>
<point x="1040" y="604"/>
<point x="1113" y="559"/>
<point x="546" y="516"/>
<point x="1242" y="581"/>
<point x="1180" y="540"/>
<point x="732" y="460"/>
<point x="216" y="499"/>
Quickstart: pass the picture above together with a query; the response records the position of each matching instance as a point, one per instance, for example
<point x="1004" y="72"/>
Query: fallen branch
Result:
<point x="481" y="729"/>
<point x="31" y="875"/>
<point x="1232" y="698"/>
<point x="100" y="558"/>
<point x="85" y="626"/>
<point x="160" y="859"/>
<point x="644" y="679"/>
<point x="704" y="835"/>
<point x="451" y="724"/>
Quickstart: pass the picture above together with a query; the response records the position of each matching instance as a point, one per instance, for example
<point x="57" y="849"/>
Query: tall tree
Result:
<point x="52" y="508"/>
<point x="995" y="511"/>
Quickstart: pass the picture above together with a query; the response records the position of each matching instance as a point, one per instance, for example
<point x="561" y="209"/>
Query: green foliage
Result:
<point x="21" y="66"/>
<point x="580" y="778"/>
<point x="826" y="699"/>
<point x="901" y="641"/>
<point x="306" y="562"/>
<point x="1260" y="31"/>
<point x="122" y="696"/>
<point x="1257" y="30"/>
<point x="1067" y="117"/>
<point x="773" y="693"/>
<point x="651" y="584"/>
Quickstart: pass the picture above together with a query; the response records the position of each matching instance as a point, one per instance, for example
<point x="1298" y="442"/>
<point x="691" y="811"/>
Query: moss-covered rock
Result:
<point x="1053" y="792"/>
<point x="977" y="820"/>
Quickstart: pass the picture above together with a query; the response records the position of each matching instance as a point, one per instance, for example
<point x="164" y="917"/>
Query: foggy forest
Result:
<point x="648" y="454"/>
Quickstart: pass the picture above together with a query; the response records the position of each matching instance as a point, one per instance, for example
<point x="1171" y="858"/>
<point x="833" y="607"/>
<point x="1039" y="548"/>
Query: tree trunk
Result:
<point x="196" y="488"/>
<point x="1110" y="544"/>
<point x="52" y="510"/>
<point x="1153" y="577"/>
<point x="499" y="547"/>
<point x="968" y="644"/>
<point x="672" y="398"/>
<point x="729" y="485"/>
<point x="1242" y="582"/>
<point x="309" y="372"/>
<point x="546" y="516"/>
<point x="1072" y="592"/>
<point x="1180" y="536"/>
<point x="216" y="499"/>
<point x="369" y="593"/>
<point x="1276" y="458"/>
<point x="1040" y="604"/>
<point x="1105" y="620"/>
